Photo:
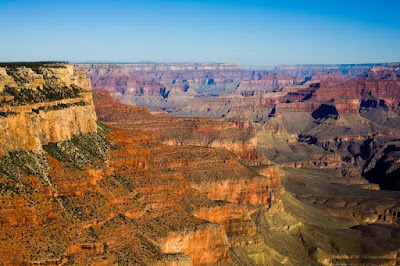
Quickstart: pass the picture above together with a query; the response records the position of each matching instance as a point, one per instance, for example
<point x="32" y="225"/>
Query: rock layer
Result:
<point x="64" y="109"/>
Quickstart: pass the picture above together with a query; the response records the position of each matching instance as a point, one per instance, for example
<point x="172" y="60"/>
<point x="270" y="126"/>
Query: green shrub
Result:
<point x="45" y="94"/>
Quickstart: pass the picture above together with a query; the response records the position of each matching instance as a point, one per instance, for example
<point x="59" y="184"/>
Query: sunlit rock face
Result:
<point x="46" y="103"/>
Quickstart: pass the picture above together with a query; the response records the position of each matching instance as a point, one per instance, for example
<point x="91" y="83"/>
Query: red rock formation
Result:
<point x="328" y="161"/>
<point x="236" y="219"/>
<point x="233" y="136"/>
<point x="29" y="124"/>
<point x="269" y="81"/>
<point x="205" y="246"/>
<point x="237" y="191"/>
<point x="324" y="76"/>
<point x="97" y="200"/>
<point x="258" y="190"/>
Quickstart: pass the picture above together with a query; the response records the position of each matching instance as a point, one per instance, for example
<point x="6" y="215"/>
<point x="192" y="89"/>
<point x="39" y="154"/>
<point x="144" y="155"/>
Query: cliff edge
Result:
<point x="42" y="103"/>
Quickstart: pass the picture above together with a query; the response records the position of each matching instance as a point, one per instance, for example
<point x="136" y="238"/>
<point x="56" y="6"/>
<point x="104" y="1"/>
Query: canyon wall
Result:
<point x="42" y="105"/>
<point x="234" y="136"/>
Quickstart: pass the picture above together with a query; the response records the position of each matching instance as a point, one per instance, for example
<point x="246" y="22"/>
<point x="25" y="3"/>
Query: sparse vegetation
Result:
<point x="82" y="151"/>
<point x="18" y="163"/>
<point x="52" y="64"/>
<point x="45" y="94"/>
<point x="59" y="106"/>
<point x="35" y="66"/>
<point x="7" y="113"/>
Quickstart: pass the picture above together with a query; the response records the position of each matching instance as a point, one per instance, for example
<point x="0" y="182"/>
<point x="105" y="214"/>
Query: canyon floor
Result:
<point x="245" y="168"/>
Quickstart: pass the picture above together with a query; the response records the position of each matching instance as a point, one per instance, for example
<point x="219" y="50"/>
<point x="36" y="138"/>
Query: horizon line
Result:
<point x="195" y="62"/>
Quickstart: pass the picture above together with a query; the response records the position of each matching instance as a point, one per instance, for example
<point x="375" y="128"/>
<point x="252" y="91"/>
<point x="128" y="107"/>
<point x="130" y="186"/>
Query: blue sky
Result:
<point x="242" y="32"/>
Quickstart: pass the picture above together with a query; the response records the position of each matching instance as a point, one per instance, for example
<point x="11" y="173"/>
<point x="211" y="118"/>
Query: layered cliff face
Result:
<point x="171" y="86"/>
<point x="234" y="136"/>
<point x="383" y="164"/>
<point x="361" y="121"/>
<point x="42" y="104"/>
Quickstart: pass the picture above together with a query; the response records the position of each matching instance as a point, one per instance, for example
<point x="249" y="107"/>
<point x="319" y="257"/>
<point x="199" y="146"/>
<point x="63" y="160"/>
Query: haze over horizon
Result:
<point x="216" y="62"/>
<point x="241" y="32"/>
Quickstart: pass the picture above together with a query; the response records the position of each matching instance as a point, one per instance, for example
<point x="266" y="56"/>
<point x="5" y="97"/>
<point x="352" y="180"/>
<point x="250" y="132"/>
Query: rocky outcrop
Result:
<point x="383" y="164"/>
<point x="257" y="190"/>
<point x="205" y="246"/>
<point x="327" y="161"/>
<point x="236" y="219"/>
<point x="241" y="191"/>
<point x="43" y="104"/>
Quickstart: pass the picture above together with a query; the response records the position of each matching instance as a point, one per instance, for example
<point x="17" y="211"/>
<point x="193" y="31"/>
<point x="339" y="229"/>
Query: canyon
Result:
<point x="171" y="86"/>
<point x="199" y="164"/>
<point x="351" y="110"/>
